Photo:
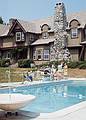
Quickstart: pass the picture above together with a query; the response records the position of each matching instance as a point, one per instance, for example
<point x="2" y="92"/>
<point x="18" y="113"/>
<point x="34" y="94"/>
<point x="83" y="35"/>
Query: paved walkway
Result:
<point x="77" y="115"/>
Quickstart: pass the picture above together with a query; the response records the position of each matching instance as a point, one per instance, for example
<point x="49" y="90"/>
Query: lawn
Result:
<point x="17" y="74"/>
<point x="80" y="73"/>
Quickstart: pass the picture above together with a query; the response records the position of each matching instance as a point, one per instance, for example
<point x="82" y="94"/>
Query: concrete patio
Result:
<point x="76" y="115"/>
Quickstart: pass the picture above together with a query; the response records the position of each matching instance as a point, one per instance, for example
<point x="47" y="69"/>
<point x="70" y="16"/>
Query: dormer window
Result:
<point x="45" y="28"/>
<point x="45" y="35"/>
<point x="74" y="33"/>
<point x="20" y="36"/>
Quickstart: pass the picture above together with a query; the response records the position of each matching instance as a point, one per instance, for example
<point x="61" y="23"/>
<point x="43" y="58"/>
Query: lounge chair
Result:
<point x="28" y="78"/>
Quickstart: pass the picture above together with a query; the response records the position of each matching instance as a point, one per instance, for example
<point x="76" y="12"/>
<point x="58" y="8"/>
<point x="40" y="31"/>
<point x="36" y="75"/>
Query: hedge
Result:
<point x="79" y="64"/>
<point x="24" y="63"/>
<point x="49" y="64"/>
<point x="82" y="65"/>
<point x="4" y="62"/>
<point x="71" y="64"/>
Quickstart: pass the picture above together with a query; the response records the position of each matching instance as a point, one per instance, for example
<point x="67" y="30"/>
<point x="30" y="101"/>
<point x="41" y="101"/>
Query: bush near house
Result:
<point x="82" y="65"/>
<point x="79" y="64"/>
<point x="71" y="64"/>
<point x="24" y="63"/>
<point x="49" y="64"/>
<point x="4" y="62"/>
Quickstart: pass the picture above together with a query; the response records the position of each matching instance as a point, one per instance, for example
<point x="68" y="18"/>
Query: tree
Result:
<point x="1" y="21"/>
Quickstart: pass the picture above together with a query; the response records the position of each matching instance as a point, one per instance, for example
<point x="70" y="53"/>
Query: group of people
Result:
<point x="61" y="72"/>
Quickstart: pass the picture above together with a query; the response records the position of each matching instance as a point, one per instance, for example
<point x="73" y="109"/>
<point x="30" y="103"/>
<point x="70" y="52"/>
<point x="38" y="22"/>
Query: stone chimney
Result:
<point x="60" y="24"/>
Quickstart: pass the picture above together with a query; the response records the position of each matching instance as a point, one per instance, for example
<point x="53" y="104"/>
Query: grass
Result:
<point x="17" y="74"/>
<point x="79" y="73"/>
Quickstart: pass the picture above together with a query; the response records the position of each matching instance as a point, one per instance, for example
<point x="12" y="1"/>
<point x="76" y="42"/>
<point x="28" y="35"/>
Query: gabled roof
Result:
<point x="80" y="16"/>
<point x="13" y="26"/>
<point x="35" y="25"/>
<point x="4" y="29"/>
<point x="28" y="26"/>
<point x="49" y="21"/>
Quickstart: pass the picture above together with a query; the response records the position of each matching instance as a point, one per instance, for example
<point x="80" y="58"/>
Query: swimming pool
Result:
<point x="53" y="96"/>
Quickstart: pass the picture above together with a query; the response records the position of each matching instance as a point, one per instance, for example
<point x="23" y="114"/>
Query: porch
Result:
<point x="14" y="54"/>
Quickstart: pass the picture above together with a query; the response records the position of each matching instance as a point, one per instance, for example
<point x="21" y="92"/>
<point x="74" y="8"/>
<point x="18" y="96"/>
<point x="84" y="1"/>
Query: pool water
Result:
<point x="53" y="96"/>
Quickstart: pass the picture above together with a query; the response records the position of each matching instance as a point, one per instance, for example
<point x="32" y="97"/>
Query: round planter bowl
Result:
<point x="13" y="102"/>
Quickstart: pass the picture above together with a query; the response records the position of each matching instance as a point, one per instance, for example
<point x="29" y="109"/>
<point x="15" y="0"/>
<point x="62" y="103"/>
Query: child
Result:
<point x="65" y="70"/>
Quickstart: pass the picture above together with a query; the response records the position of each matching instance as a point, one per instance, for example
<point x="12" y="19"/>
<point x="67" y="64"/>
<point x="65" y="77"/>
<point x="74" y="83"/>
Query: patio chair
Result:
<point x="28" y="78"/>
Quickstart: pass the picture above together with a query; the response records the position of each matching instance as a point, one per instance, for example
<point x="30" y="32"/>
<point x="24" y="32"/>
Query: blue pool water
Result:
<point x="53" y="96"/>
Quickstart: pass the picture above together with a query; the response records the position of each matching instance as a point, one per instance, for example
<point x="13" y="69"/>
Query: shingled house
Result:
<point x="32" y="40"/>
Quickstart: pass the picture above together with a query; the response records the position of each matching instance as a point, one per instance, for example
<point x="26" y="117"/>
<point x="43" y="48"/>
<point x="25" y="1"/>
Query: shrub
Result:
<point x="49" y="64"/>
<point x="4" y="62"/>
<point x="79" y="64"/>
<point x="24" y="63"/>
<point x="20" y="63"/>
<point x="73" y="64"/>
<point x="82" y="65"/>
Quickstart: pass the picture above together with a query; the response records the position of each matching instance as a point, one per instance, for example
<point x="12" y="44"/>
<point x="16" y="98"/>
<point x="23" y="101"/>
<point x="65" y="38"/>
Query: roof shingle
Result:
<point x="43" y="41"/>
<point x="4" y="29"/>
<point x="34" y="26"/>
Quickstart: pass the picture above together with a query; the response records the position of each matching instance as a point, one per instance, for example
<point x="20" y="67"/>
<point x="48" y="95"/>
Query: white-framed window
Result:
<point x="74" y="33"/>
<point x="45" y="35"/>
<point x="46" y="54"/>
<point x="39" y="54"/>
<point x="20" y="36"/>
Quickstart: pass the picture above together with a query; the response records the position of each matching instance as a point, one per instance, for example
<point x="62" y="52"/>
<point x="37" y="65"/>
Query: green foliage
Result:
<point x="15" y="51"/>
<point x="73" y="64"/>
<point x="49" y="64"/>
<point x="82" y="65"/>
<point x="55" y="63"/>
<point x="1" y="21"/>
<point x="24" y="63"/>
<point x="4" y="62"/>
<point x="79" y="64"/>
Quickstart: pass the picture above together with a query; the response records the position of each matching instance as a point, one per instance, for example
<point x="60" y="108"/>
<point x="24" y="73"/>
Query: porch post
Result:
<point x="28" y="53"/>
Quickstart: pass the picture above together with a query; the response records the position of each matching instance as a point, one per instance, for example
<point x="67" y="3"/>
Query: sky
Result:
<point x="36" y="9"/>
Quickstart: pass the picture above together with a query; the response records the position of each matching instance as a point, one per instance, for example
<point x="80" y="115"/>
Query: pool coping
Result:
<point x="27" y="83"/>
<point x="57" y="114"/>
<point x="63" y="112"/>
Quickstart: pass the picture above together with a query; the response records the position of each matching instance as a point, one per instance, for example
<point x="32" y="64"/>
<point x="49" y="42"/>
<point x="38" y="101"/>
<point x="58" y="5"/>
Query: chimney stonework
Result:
<point x="59" y="50"/>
